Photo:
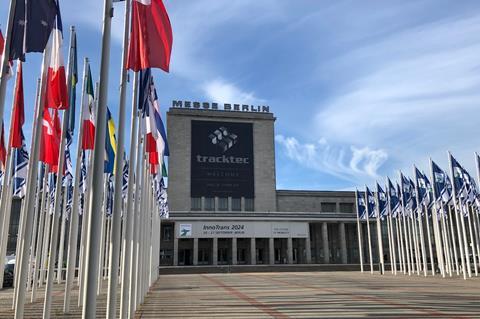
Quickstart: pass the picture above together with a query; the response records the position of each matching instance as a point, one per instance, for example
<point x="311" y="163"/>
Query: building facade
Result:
<point x="224" y="205"/>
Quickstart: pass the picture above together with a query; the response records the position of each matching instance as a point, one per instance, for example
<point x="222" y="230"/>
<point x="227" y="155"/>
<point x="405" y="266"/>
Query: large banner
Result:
<point x="222" y="159"/>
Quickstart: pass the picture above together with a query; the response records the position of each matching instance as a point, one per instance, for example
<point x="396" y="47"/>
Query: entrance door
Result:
<point x="185" y="257"/>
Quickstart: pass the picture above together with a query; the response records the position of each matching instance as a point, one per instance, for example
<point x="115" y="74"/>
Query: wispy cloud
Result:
<point x="353" y="164"/>
<point x="220" y="90"/>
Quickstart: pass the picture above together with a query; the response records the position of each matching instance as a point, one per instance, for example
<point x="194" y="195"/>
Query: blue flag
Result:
<point x="393" y="198"/>
<point x="32" y="24"/>
<point x="441" y="184"/>
<point x="382" y="201"/>
<point x="20" y="170"/>
<point x="361" y="208"/>
<point x="370" y="203"/>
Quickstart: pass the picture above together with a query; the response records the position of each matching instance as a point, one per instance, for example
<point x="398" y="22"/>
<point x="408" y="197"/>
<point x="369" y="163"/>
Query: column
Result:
<point x="308" y="250"/>
<point x="195" y="251"/>
<point x="343" y="242"/>
<point x="175" y="251"/>
<point x="234" y="251"/>
<point x="215" y="252"/>
<point x="326" y="250"/>
<point x="271" y="251"/>
<point x="316" y="236"/>
<point x="253" y="252"/>
<point x="290" y="250"/>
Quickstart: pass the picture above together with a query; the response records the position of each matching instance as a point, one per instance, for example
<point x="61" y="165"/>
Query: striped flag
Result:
<point x="110" y="145"/>
<point x="88" y="139"/>
<point x="18" y="113"/>
<point x="125" y="177"/>
<point x="20" y="171"/>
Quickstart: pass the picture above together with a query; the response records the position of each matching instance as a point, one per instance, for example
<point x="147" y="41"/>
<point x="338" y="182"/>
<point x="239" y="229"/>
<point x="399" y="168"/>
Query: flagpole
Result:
<point x="103" y="223"/>
<point x="74" y="216"/>
<point x="117" y="197"/>
<point x="359" y="233"/>
<point x="41" y="227"/>
<point x="391" y="246"/>
<point x="129" y="213"/>
<point x="430" y="250"/>
<point x="420" y="223"/>
<point x="472" y="241"/>
<point x="35" y="230"/>
<point x="379" y="234"/>
<point x="459" y="215"/>
<point x="4" y="67"/>
<point x="62" y="236"/>
<point x="454" y="241"/>
<point x="368" y="232"/>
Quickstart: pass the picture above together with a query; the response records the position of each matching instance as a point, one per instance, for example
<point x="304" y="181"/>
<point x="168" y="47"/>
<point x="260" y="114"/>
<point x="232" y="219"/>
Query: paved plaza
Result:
<point x="291" y="295"/>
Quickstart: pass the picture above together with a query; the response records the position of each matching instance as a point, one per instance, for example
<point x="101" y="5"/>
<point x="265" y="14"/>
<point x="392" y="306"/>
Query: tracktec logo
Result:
<point x="223" y="138"/>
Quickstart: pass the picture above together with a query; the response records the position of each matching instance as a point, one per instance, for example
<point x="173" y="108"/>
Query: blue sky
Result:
<point x="360" y="89"/>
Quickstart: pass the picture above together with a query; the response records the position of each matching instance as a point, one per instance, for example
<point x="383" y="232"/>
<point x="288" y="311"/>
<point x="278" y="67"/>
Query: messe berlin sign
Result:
<point x="241" y="229"/>
<point x="220" y="106"/>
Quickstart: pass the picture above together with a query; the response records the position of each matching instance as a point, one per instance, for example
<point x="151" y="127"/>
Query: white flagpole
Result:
<point x="29" y="204"/>
<point x="129" y="212"/>
<point x="359" y="233"/>
<point x="472" y="241"/>
<point x="62" y="237"/>
<point x="393" y="257"/>
<point x="430" y="251"/>
<point x="445" y="243"/>
<point x="103" y="213"/>
<point x="454" y="241"/>
<point x="117" y="197"/>
<point x="379" y="236"/>
<point x="459" y="215"/>
<point x="73" y="233"/>
<point x="368" y="232"/>
<point x="46" y="239"/>
<point x="475" y="231"/>
<point x="93" y="239"/>
<point x="451" y="242"/>
<point x="41" y="228"/>
<point x="32" y="243"/>
<point x="401" y="255"/>
<point x="405" y="234"/>
<point x="58" y="198"/>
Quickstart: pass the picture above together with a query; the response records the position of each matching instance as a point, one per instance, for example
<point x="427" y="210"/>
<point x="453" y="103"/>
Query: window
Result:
<point x="209" y="203"/>
<point x="236" y="204"/>
<point x="167" y="232"/>
<point x="329" y="207"/>
<point x="249" y="204"/>
<point x="196" y="203"/>
<point x="346" y="208"/>
<point x="223" y="204"/>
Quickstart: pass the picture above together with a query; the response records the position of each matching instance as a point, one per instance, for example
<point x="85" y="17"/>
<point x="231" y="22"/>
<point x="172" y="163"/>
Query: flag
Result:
<point x="20" y="171"/>
<point x="69" y="190"/>
<point x="406" y="192"/>
<point x="2" y="47"/>
<point x="393" y="198"/>
<point x="370" y="203"/>
<point x="88" y="138"/>
<point x="72" y="81"/>
<point x="153" y="128"/>
<point x="52" y="184"/>
<point x="32" y="25"/>
<point x="18" y="114"/>
<point x="68" y="170"/>
<point x="50" y="145"/>
<point x="424" y="188"/>
<point x="441" y="184"/>
<point x="125" y="177"/>
<point x="382" y="201"/>
<point x="110" y="145"/>
<point x="361" y="207"/>
<point x="151" y="36"/>
<point x="163" y="200"/>
<point x="82" y="184"/>
<point x="56" y="91"/>
<point x="108" y="198"/>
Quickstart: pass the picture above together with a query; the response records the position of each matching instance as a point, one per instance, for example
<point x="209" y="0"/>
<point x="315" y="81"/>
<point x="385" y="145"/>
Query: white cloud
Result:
<point x="222" y="91"/>
<point x="416" y="94"/>
<point x="356" y="165"/>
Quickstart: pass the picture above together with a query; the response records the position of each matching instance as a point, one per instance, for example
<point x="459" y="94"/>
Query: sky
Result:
<point x="360" y="89"/>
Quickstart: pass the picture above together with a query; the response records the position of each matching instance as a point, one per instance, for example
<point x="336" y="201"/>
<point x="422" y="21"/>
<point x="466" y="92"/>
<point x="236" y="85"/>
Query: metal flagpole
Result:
<point x="459" y="215"/>
<point x="446" y="245"/>
<point x="129" y="213"/>
<point x="430" y="251"/>
<point x="392" y="244"/>
<point x="74" y="216"/>
<point x="29" y="204"/>
<point x="58" y="197"/>
<point x="420" y="227"/>
<point x="62" y="237"/>
<point x="93" y="239"/>
<point x="448" y="225"/>
<point x="472" y="241"/>
<point x="475" y="231"/>
<point x="368" y="232"/>
<point x="359" y="233"/>
<point x="399" y="232"/>
<point x="454" y="241"/>
<point x="57" y="213"/>
<point x="117" y="197"/>
<point x="103" y="213"/>
<point x="4" y="67"/>
<point x="379" y="235"/>
<point x="41" y="227"/>
<point x="46" y="239"/>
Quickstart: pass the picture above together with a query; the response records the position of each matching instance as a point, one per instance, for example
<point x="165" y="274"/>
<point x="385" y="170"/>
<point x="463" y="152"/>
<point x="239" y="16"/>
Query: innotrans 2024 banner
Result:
<point x="222" y="159"/>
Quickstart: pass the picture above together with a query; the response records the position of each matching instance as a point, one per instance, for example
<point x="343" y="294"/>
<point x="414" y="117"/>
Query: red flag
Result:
<point x="151" y="37"/>
<point x="56" y="94"/>
<point x="51" y="132"/>
<point x="88" y="139"/>
<point x="18" y="115"/>
<point x="2" y="47"/>
<point x="3" y="151"/>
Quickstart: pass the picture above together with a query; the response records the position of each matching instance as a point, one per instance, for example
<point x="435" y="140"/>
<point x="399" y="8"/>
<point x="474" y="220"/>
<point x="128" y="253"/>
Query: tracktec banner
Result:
<point x="222" y="159"/>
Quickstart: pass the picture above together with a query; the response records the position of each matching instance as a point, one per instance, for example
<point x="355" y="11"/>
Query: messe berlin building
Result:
<point x="224" y="205"/>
